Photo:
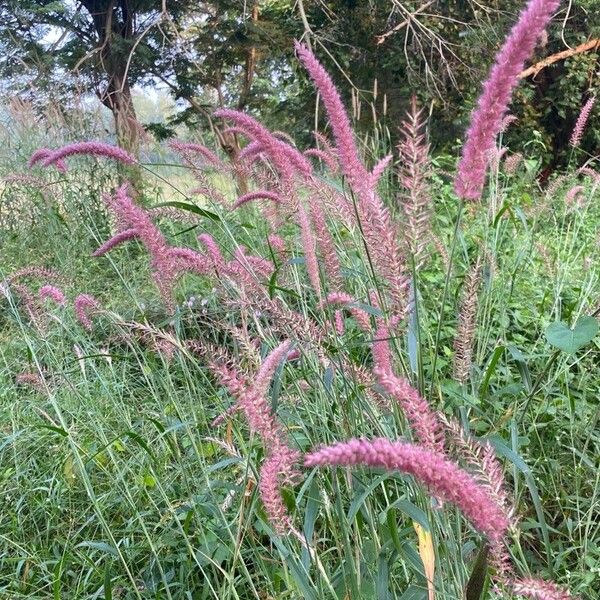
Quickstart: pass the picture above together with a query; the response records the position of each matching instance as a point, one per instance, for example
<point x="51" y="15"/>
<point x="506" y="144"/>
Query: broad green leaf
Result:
<point x="561" y="336"/>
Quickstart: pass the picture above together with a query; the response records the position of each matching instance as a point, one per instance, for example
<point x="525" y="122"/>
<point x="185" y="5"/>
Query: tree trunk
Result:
<point x="117" y="97"/>
<point x="113" y="21"/>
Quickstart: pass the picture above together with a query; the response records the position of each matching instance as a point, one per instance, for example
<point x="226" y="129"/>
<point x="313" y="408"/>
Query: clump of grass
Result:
<point x="156" y="448"/>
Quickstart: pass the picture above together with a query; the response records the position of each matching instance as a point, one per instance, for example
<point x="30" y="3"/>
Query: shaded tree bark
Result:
<point x="114" y="24"/>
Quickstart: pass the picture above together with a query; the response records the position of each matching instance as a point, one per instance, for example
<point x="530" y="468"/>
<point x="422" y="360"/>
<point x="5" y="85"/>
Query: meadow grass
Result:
<point x="115" y="484"/>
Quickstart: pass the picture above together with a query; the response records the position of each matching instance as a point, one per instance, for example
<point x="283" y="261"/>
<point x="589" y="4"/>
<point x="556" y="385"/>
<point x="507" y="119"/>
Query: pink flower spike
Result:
<point x="361" y="316"/>
<point x="277" y="243"/>
<point x="324" y="157"/>
<point x="278" y="468"/>
<point x="423" y="421"/>
<point x="382" y="353"/>
<point x="89" y="148"/>
<point x="44" y="153"/>
<point x="117" y="239"/>
<point x="286" y="159"/>
<point x="573" y="193"/>
<point x="213" y="251"/>
<point x="379" y="169"/>
<point x="339" y="322"/>
<point x="486" y="119"/>
<point x="581" y="122"/>
<point x="338" y="118"/>
<point x="538" y="589"/>
<point x="207" y="154"/>
<point x="441" y="476"/>
<point x="269" y="366"/>
<point x="84" y="304"/>
<point x="261" y="194"/>
<point x="309" y="247"/>
<point x="53" y="293"/>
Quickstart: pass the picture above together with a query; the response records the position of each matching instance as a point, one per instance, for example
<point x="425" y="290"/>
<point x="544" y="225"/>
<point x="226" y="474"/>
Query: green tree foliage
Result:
<point x="238" y="53"/>
<point x="109" y="43"/>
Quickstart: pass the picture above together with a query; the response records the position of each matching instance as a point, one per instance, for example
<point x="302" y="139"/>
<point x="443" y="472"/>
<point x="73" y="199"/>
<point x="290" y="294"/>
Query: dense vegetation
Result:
<point x="175" y="352"/>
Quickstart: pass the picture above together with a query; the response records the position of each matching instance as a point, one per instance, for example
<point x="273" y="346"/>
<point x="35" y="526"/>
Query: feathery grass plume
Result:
<point x="379" y="169"/>
<point x="414" y="166"/>
<point x="538" y="589"/>
<point x="444" y="478"/>
<point x="483" y="464"/>
<point x="279" y="466"/>
<point x="380" y="233"/>
<point x="168" y="263"/>
<point x="555" y="185"/>
<point x="591" y="173"/>
<point x="573" y="193"/>
<point x="93" y="148"/>
<point x="465" y="334"/>
<point x="53" y="293"/>
<point x="188" y="149"/>
<point x="350" y="162"/>
<point x="42" y="154"/>
<point x="287" y="159"/>
<point x="325" y="243"/>
<point x="189" y="152"/>
<point x="119" y="238"/>
<point x="422" y="420"/>
<point x="29" y="301"/>
<point x="324" y="157"/>
<point x="360" y="315"/>
<point x="85" y="304"/>
<point x="252" y="151"/>
<point x="326" y="145"/>
<point x="486" y="119"/>
<point x="258" y="195"/>
<point x="214" y="252"/>
<point x="439" y="246"/>
<point x="226" y="370"/>
<point x="278" y="244"/>
<point x="31" y="379"/>
<point x="338" y="319"/>
<point x="256" y="265"/>
<point x="507" y="121"/>
<point x="581" y="122"/>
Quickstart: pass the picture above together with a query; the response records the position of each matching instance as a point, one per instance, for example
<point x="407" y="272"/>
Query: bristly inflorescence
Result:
<point x="442" y="477"/>
<point x="415" y="199"/>
<point x="487" y="118"/>
<point x="581" y="122"/>
<point x="467" y="326"/>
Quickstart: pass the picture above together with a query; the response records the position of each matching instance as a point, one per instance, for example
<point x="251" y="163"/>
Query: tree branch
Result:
<point x="542" y="64"/>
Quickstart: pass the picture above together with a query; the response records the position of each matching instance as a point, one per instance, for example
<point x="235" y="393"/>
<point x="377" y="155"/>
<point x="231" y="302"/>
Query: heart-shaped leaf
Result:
<point x="561" y="336"/>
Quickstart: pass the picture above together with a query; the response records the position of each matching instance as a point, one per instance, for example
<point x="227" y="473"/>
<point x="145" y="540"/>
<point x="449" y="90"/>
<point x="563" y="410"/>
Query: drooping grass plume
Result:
<point x="94" y="148"/>
<point x="168" y="263"/>
<point x="257" y="195"/>
<point x="42" y="154"/>
<point x="53" y="293"/>
<point x="441" y="476"/>
<point x="538" y="589"/>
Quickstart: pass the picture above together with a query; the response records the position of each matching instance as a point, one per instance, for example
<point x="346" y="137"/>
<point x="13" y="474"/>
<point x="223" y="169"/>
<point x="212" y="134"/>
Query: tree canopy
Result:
<point x="239" y="54"/>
